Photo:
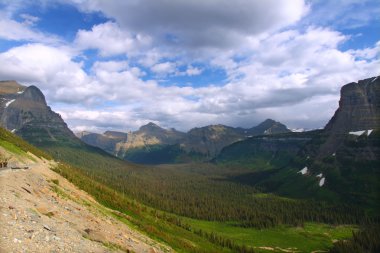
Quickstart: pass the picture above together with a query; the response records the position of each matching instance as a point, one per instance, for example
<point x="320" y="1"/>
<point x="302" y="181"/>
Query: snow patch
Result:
<point x="334" y="154"/>
<point x="14" y="130"/>
<point x="9" y="102"/>
<point x="20" y="92"/>
<point x="303" y="171"/>
<point x="322" y="181"/>
<point x="319" y="175"/>
<point x="374" y="79"/>
<point x="357" y="133"/>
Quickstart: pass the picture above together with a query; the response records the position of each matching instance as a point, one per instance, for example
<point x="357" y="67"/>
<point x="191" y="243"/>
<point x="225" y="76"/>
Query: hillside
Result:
<point x="42" y="211"/>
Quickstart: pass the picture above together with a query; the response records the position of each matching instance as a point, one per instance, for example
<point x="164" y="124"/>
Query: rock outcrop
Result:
<point x="359" y="107"/>
<point x="358" y="112"/>
<point x="23" y="109"/>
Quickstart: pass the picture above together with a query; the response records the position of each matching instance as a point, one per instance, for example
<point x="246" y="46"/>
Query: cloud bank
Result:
<point x="154" y="61"/>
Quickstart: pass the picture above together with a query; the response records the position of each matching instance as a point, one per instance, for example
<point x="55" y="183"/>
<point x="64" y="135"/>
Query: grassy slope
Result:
<point x="311" y="237"/>
<point x="16" y="145"/>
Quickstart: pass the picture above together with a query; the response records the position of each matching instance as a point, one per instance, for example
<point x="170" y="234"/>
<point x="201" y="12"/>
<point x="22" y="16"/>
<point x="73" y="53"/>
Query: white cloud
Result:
<point x="193" y="71"/>
<point x="272" y="70"/>
<point x="196" y="24"/>
<point x="13" y="30"/>
<point x="107" y="37"/>
<point x="29" y="19"/>
<point x="111" y="40"/>
<point x="164" y="68"/>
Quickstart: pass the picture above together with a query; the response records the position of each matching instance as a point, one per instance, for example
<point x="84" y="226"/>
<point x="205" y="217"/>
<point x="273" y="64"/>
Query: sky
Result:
<point x="117" y="65"/>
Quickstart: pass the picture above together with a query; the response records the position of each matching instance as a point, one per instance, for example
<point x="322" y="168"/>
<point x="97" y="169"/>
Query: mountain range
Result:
<point x="257" y="178"/>
<point x="271" y="150"/>
<point x="152" y="144"/>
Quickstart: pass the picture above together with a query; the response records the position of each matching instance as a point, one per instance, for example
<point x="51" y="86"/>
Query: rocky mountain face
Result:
<point x="265" y="152"/>
<point x="107" y="141"/>
<point x="23" y="110"/>
<point x="340" y="162"/>
<point x="358" y="114"/>
<point x="209" y="140"/>
<point x="154" y="144"/>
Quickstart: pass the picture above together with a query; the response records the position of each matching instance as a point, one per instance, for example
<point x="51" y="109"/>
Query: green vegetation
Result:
<point x="307" y="238"/>
<point x="201" y="191"/>
<point x="152" y="222"/>
<point x="228" y="208"/>
<point x="367" y="240"/>
<point x="18" y="146"/>
<point x="160" y="154"/>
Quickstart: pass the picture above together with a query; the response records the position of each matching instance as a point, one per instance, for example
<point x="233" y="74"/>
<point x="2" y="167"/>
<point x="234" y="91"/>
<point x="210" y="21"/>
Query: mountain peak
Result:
<point x="269" y="126"/>
<point x="268" y="121"/>
<point x="150" y="126"/>
<point x="34" y="94"/>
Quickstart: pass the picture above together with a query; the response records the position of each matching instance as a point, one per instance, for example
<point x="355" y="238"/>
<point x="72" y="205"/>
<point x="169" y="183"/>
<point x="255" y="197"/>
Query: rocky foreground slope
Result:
<point x="40" y="211"/>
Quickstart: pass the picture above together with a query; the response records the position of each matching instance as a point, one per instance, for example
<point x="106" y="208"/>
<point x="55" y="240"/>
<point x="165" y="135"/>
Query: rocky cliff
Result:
<point x="359" y="107"/>
<point x="358" y="114"/>
<point x="23" y="109"/>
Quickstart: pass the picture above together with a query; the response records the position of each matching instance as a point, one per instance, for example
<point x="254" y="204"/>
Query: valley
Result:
<point x="212" y="189"/>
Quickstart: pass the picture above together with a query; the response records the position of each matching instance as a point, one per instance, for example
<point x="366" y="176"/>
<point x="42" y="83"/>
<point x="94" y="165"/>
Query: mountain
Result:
<point x="107" y="141"/>
<point x="23" y="110"/>
<point x="331" y="189"/>
<point x="209" y="140"/>
<point x="265" y="152"/>
<point x="358" y="114"/>
<point x="148" y="135"/>
<point x="269" y="126"/>
<point x="338" y="163"/>
<point x="152" y="144"/>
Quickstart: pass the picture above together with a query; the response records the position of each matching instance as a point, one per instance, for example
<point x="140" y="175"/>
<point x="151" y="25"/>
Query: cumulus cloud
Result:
<point x="195" y="24"/>
<point x="13" y="30"/>
<point x="274" y="68"/>
<point x="110" y="40"/>
<point x="164" y="68"/>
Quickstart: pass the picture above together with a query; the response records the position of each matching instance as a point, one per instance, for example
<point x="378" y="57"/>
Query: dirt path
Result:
<point x="40" y="211"/>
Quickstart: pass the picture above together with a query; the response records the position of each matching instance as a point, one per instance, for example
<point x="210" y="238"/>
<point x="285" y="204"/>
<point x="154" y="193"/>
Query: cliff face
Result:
<point x="26" y="110"/>
<point x="210" y="140"/>
<point x="359" y="107"/>
<point x="357" y="116"/>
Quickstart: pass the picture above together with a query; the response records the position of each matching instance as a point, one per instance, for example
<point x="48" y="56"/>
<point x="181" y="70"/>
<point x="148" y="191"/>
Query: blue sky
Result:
<point x="120" y="64"/>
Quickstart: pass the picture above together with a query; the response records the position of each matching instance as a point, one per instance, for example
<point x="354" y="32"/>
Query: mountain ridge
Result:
<point x="206" y="141"/>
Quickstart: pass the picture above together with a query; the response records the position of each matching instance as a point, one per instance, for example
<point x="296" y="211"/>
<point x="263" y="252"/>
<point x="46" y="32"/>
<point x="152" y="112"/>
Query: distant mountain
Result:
<point x="106" y="141"/>
<point x="152" y="144"/>
<point x="267" y="127"/>
<point x="209" y="140"/>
